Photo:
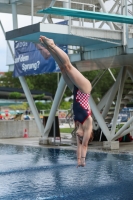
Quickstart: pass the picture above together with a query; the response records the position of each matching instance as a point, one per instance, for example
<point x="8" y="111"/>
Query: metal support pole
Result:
<point x="130" y="72"/>
<point x="31" y="104"/>
<point x="69" y="19"/>
<point x="125" y="132"/>
<point x="57" y="99"/>
<point x="8" y="43"/>
<point x="111" y="74"/>
<point x="94" y="19"/>
<point x="126" y="13"/>
<point x="114" y="137"/>
<point x="46" y="15"/>
<point x="80" y="22"/>
<point x="104" y="9"/>
<point x="119" y="96"/>
<point x="32" y="10"/>
<point x="111" y="10"/>
<point x="99" y="119"/>
<point x="82" y="18"/>
<point x="112" y="94"/>
<point x="50" y="21"/>
<point x="14" y="15"/>
<point x="124" y="41"/>
<point x="68" y="5"/>
<point x="103" y="101"/>
<point x="99" y="78"/>
<point x="23" y="82"/>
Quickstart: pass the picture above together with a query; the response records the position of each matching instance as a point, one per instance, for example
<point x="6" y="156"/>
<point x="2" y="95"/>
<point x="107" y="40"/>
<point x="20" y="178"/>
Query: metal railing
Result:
<point x="81" y="6"/>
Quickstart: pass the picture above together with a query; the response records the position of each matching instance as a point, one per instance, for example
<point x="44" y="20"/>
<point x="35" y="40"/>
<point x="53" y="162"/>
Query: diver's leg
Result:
<point x="67" y="79"/>
<point x="79" y="132"/>
<point x="63" y="60"/>
<point x="87" y="127"/>
<point x="79" y="145"/>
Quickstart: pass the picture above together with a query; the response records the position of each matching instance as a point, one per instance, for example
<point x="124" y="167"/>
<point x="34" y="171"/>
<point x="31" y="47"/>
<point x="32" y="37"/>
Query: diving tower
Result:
<point x="99" y="49"/>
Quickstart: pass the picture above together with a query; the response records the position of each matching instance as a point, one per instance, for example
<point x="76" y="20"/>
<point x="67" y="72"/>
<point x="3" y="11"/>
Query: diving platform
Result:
<point x="79" y="36"/>
<point x="88" y="15"/>
<point x="103" y="48"/>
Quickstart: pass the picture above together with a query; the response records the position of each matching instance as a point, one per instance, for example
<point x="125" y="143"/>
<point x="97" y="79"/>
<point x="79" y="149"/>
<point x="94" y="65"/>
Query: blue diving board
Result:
<point x="88" y="15"/>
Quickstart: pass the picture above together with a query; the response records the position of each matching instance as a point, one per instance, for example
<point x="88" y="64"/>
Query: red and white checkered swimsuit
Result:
<point x="81" y="107"/>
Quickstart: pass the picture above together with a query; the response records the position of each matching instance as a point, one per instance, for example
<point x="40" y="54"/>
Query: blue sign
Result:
<point x="33" y="59"/>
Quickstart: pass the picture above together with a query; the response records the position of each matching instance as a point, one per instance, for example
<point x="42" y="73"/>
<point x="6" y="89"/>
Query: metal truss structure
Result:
<point x="99" y="49"/>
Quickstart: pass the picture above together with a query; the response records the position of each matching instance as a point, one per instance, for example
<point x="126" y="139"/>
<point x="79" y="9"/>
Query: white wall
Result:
<point x="15" y="129"/>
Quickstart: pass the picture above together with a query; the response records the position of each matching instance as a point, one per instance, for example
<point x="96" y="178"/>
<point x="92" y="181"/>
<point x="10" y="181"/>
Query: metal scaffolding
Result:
<point x="100" y="49"/>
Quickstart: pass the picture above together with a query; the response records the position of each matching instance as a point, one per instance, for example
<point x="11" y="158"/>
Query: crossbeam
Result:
<point x="88" y="15"/>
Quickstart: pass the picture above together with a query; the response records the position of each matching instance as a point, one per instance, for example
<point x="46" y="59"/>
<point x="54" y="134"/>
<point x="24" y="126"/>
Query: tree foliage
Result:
<point x="48" y="82"/>
<point x="104" y="84"/>
<point x="9" y="81"/>
<point x="65" y="105"/>
<point x="43" y="106"/>
<point x="14" y="95"/>
<point x="39" y="97"/>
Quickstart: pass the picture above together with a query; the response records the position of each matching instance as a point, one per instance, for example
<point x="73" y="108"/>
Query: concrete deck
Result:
<point x="125" y="147"/>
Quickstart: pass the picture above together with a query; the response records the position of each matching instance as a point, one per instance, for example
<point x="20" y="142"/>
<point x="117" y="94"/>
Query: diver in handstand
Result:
<point x="81" y="88"/>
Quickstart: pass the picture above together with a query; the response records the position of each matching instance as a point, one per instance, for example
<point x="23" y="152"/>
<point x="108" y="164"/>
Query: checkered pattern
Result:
<point x="83" y="99"/>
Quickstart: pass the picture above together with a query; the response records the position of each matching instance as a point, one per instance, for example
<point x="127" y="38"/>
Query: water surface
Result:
<point x="29" y="173"/>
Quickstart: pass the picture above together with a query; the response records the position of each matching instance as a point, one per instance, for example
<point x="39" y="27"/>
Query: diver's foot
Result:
<point x="82" y="161"/>
<point x="48" y="43"/>
<point x="79" y="162"/>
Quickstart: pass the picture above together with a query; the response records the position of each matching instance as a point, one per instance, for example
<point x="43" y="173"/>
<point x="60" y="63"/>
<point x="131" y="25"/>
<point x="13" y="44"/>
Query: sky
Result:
<point x="7" y="23"/>
<point x="6" y="20"/>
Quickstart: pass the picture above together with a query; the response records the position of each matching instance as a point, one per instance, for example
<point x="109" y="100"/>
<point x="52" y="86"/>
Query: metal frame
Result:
<point x="46" y="15"/>
<point x="105" y="11"/>
<point x="107" y="100"/>
<point x="8" y="43"/>
<point x="119" y="97"/>
<point x="118" y="86"/>
<point x="57" y="99"/>
<point x="111" y="10"/>
<point x="23" y="81"/>
<point x="112" y="95"/>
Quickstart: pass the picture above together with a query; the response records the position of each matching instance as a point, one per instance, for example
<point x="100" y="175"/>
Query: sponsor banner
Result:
<point x="33" y="59"/>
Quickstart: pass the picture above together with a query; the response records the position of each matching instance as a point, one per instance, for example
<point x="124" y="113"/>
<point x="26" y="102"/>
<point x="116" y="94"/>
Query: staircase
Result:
<point x="126" y="98"/>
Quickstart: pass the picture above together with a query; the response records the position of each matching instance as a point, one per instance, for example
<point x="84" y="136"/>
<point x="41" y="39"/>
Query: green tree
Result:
<point x="65" y="105"/>
<point x="14" y="95"/>
<point x="39" y="97"/>
<point x="29" y="83"/>
<point x="48" y="82"/>
<point x="44" y="82"/>
<point x="9" y="81"/>
<point x="104" y="84"/>
<point x="43" y="106"/>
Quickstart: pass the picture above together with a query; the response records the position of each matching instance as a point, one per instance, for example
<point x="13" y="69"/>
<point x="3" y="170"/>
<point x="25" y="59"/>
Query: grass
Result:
<point x="66" y="130"/>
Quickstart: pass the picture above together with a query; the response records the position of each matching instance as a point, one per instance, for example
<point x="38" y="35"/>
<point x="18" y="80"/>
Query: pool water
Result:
<point x="28" y="173"/>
